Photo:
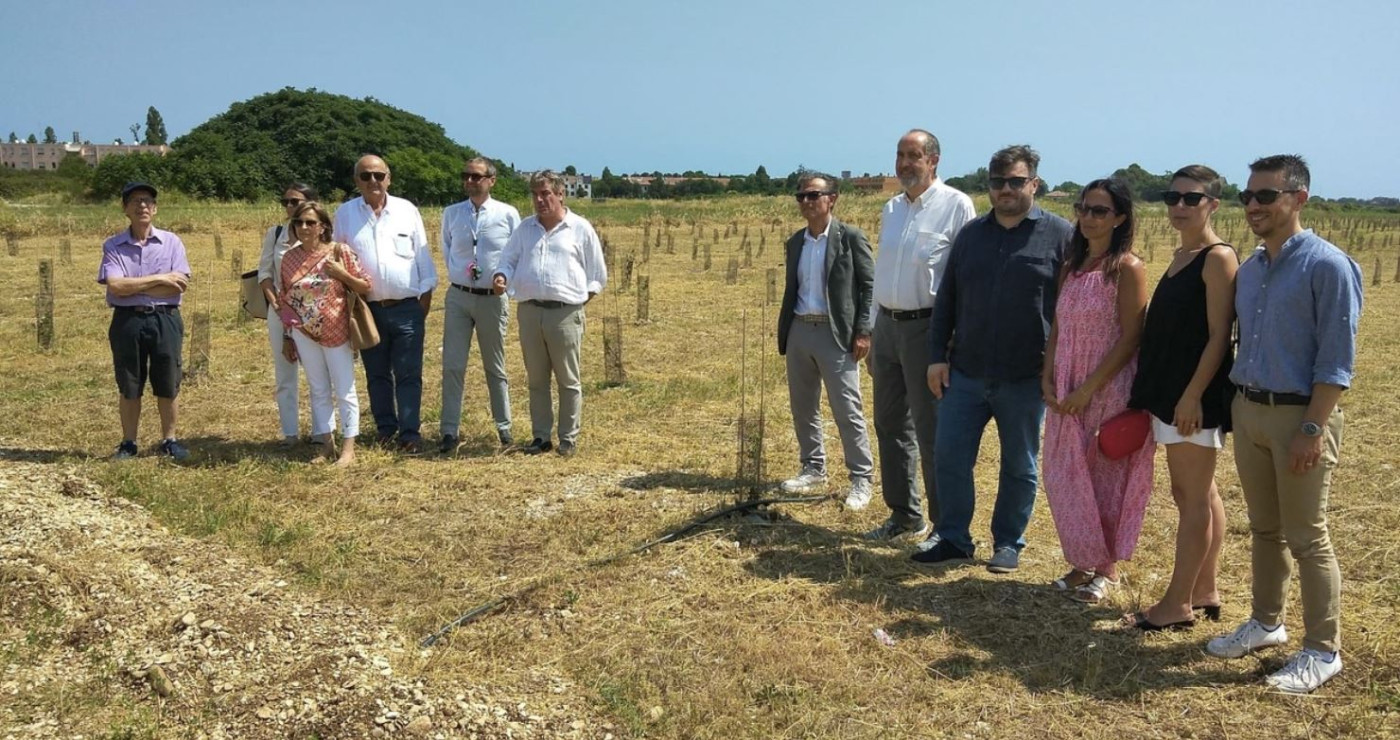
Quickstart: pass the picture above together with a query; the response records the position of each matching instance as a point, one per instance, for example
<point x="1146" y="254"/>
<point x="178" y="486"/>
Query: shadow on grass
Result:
<point x="1028" y="632"/>
<point x="680" y="480"/>
<point x="17" y="454"/>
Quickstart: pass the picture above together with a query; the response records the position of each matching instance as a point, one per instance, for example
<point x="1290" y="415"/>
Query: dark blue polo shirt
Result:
<point x="992" y="315"/>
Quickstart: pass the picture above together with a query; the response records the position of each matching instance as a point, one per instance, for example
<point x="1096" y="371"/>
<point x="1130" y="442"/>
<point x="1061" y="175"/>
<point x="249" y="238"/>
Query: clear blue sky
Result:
<point x="723" y="86"/>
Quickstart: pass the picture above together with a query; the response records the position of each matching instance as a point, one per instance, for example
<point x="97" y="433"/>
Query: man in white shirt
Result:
<point x="474" y="232"/>
<point x="388" y="235"/>
<point x="554" y="262"/>
<point x="917" y="227"/>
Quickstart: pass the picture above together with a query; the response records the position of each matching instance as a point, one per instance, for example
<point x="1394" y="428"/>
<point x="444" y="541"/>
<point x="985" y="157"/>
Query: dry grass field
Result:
<point x="748" y="628"/>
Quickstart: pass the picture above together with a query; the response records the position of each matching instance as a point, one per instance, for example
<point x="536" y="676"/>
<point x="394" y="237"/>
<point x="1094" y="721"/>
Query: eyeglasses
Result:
<point x="1015" y="183"/>
<point x="1173" y="197"/>
<point x="142" y="202"/>
<point x="376" y="176"/>
<point x="1096" y="211"/>
<point x="307" y="222"/>
<point x="1265" y="197"/>
<point x="289" y="202"/>
<point x="474" y="176"/>
<point x="810" y="195"/>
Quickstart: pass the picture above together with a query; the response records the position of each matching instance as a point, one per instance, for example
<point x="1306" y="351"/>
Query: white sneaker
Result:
<point x="1247" y="638"/>
<point x="805" y="481"/>
<point x="859" y="497"/>
<point x="1306" y="670"/>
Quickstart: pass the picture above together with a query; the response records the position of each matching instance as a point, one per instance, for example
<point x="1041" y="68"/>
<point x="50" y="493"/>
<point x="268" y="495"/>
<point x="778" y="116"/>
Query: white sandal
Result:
<point x="1094" y="591"/>
<point x="1071" y="580"/>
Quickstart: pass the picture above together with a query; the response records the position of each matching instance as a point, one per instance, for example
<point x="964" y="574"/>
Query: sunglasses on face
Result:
<point x="376" y="176"/>
<point x="307" y="222"/>
<point x="1265" y="197"/>
<point x="474" y="176"/>
<point x="808" y="196"/>
<point x="1095" y="211"/>
<point x="1015" y="183"/>
<point x="289" y="202"/>
<point x="1172" y="197"/>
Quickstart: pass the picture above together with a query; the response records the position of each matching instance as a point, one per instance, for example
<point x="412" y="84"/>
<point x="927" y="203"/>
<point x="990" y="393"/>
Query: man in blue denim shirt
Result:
<point x="1298" y="299"/>
<point x="987" y="339"/>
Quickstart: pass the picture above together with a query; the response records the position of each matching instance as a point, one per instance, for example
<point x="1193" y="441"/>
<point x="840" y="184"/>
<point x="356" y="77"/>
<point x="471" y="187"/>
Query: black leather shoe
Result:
<point x="567" y="449"/>
<point x="448" y="444"/>
<point x="943" y="552"/>
<point x="538" y="446"/>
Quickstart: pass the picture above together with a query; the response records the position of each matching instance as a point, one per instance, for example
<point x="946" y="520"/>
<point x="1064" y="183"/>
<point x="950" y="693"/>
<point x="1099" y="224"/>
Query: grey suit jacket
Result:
<point x="850" y="284"/>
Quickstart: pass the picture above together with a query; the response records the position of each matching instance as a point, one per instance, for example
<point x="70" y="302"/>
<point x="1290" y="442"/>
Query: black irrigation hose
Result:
<point x="472" y="615"/>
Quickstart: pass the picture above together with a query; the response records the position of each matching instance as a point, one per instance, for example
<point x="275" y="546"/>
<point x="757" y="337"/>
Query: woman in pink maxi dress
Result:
<point x="1091" y="358"/>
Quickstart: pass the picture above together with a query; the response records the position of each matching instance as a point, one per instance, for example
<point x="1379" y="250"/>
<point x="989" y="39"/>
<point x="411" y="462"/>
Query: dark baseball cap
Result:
<point x="132" y="187"/>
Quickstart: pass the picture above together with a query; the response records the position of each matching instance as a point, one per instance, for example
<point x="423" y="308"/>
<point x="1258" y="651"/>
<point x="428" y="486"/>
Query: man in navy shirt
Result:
<point x="1298" y="299"/>
<point x="991" y="318"/>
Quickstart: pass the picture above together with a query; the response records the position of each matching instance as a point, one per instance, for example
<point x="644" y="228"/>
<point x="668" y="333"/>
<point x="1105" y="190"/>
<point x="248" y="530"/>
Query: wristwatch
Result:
<point x="1311" y="429"/>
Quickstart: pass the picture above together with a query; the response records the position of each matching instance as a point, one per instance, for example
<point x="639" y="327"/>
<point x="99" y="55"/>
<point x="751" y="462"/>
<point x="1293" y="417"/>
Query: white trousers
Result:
<point x="285" y="377"/>
<point x="330" y="371"/>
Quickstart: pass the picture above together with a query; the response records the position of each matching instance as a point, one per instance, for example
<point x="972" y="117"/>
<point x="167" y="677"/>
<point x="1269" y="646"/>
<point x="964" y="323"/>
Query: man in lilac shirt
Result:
<point x="145" y="271"/>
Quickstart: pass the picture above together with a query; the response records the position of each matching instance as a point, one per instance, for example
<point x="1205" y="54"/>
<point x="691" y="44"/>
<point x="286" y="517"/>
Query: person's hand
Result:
<point x="271" y="299"/>
<point x="289" y="349"/>
<point x="498" y="284"/>
<point x="425" y="302"/>
<point x="1187" y="416"/>
<point x="938" y="378"/>
<point x="862" y="348"/>
<point x="336" y="269"/>
<point x="1047" y="393"/>
<point x="1304" y="453"/>
<point x="177" y="280"/>
<point x="1075" y="403"/>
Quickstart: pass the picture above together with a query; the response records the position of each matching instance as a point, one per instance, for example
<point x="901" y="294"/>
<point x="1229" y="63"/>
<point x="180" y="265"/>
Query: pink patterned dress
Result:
<point x="1097" y="503"/>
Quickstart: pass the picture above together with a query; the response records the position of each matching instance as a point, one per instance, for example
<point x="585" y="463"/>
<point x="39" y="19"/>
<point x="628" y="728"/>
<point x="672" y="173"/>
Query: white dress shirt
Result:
<point x="393" y="247"/>
<point x="275" y="244"/>
<point x="811" y="274"/>
<point x="562" y="264"/>
<point x="476" y="234"/>
<point x="914" y="241"/>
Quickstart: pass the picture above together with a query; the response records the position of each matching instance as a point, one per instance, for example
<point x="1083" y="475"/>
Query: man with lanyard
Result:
<point x="473" y="234"/>
<point x="554" y="260"/>
<point x="991" y="320"/>
<point x="1298" y="299"/>
<point x="146" y="271"/>
<point x="917" y="228"/>
<point x="388" y="235"/>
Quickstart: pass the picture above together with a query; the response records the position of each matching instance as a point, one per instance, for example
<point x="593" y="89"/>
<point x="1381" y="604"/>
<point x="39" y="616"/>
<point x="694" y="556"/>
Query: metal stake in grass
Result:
<point x="43" y="304"/>
<point x="65" y="251"/>
<point x="198" y="365"/>
<point x="731" y="275"/>
<point x="643" y="298"/>
<point x="614" y="375"/>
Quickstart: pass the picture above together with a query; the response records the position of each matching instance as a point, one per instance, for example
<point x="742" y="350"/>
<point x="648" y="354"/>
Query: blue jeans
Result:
<point x="968" y="404"/>
<point x="394" y="369"/>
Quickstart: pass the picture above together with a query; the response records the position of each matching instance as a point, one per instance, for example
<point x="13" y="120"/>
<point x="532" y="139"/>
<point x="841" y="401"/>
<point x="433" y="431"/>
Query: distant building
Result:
<point x="26" y="156"/>
<point x="578" y="186"/>
<point x="876" y="184"/>
<point x="1057" y="195"/>
<point x="671" y="181"/>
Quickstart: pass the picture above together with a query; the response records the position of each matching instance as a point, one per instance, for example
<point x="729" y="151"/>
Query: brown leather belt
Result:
<point x="1275" y="399"/>
<point x="474" y="291"/>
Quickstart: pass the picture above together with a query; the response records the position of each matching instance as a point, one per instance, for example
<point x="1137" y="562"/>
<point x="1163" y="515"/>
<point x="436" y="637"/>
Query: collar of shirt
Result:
<point x="129" y="238"/>
<point x="1299" y="242"/>
<point x="807" y="233"/>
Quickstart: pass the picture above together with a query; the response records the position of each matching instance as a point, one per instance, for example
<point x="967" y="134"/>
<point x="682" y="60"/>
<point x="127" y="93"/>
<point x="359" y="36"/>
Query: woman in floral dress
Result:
<point x="1091" y="357"/>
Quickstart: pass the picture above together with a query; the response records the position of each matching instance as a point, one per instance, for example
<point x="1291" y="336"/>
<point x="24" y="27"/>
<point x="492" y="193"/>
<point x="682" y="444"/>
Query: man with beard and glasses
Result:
<point x="917" y="228"/>
<point x="991" y="319"/>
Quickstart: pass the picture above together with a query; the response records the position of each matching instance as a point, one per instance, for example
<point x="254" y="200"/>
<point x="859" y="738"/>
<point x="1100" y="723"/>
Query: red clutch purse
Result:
<point x="1124" y="434"/>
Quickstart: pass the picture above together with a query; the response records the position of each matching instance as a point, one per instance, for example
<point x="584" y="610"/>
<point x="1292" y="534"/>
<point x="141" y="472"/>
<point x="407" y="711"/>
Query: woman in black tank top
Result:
<point x="1183" y="380"/>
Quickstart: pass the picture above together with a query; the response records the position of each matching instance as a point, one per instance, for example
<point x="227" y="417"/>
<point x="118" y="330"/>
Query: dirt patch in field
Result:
<point x="110" y="625"/>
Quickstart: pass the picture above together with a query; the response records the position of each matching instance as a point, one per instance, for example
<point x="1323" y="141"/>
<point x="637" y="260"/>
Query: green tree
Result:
<point x="117" y="170"/>
<point x="1070" y="187"/>
<point x="973" y="182"/>
<point x="49" y="136"/>
<point x="155" y="127"/>
<point x="32" y="139"/>
<point x="570" y="171"/>
<point x="13" y="139"/>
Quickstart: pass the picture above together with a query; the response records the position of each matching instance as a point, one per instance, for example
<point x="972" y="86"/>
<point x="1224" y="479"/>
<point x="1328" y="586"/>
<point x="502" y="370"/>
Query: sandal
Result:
<point x="1094" y="591"/>
<point x="1139" y="621"/>
<point x="1072" y="580"/>
<point x="1209" y="611"/>
<point x="325" y="452"/>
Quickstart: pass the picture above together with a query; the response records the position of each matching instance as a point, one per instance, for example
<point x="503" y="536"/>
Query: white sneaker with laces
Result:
<point x="859" y="497"/>
<point x="1306" y="670"/>
<point x="1247" y="638"/>
<point x="809" y="479"/>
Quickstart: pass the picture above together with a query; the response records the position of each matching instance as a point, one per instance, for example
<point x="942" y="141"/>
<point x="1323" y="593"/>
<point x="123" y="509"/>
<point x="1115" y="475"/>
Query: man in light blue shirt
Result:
<point x="1298" y="299"/>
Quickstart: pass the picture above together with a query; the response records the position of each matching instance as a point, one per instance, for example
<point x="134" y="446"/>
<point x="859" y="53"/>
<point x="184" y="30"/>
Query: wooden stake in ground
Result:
<point x="772" y="285"/>
<point x="65" y="251"/>
<point x="198" y="366"/>
<point x="762" y="241"/>
<point x="748" y="253"/>
<point x="731" y="274"/>
<point x="627" y="267"/>
<point x="43" y="304"/>
<point x="218" y="246"/>
<point x="12" y="245"/>
<point x="1397" y="269"/>
<point x="694" y="250"/>
<point x="646" y="249"/>
<point x="612" y="351"/>
<point x="707" y="257"/>
<point x="235" y="262"/>
<point x="643" y="298"/>
<point x="658" y="239"/>
<point x="670" y="243"/>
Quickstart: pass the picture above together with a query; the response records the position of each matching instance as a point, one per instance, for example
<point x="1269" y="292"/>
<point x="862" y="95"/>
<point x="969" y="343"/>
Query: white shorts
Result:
<point x="1166" y="434"/>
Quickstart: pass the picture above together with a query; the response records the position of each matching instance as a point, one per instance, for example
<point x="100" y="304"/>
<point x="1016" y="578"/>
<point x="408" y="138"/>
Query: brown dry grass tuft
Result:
<point x="741" y="631"/>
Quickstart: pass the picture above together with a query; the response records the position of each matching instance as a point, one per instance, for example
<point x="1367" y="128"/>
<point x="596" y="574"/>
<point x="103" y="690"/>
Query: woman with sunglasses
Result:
<point x="1183" y="381"/>
<point x="316" y="273"/>
<point x="1090" y="358"/>
<point x="275" y="244"/>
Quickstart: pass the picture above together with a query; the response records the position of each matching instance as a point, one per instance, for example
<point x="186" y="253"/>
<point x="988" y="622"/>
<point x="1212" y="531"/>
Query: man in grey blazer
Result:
<point x="824" y="332"/>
